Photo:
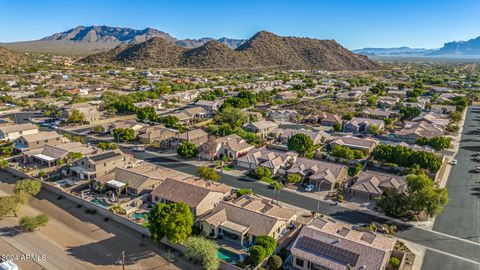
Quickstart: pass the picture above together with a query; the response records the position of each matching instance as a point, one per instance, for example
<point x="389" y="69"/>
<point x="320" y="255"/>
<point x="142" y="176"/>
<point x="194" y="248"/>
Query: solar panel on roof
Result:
<point x="328" y="250"/>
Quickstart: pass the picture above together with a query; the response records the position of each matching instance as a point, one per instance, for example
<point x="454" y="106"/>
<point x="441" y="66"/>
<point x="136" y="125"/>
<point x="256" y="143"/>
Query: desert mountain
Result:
<point x="263" y="50"/>
<point x="85" y="40"/>
<point x="9" y="58"/>
<point x="463" y="48"/>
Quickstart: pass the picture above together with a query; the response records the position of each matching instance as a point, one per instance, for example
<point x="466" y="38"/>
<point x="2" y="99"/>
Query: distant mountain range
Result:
<point x="400" y="51"/>
<point x="263" y="50"/>
<point x="461" y="49"/>
<point x="85" y="40"/>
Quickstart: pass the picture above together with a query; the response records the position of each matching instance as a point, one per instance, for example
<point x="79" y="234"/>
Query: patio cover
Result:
<point x="44" y="157"/>
<point x="234" y="227"/>
<point x="115" y="184"/>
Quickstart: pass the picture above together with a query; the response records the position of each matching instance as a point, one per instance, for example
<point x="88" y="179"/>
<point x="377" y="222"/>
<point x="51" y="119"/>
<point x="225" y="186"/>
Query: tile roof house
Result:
<point x="329" y="244"/>
<point x="50" y="155"/>
<point x="196" y="136"/>
<point x="38" y="140"/>
<point x="13" y="131"/>
<point x="283" y="135"/>
<point x="376" y="113"/>
<point x="276" y="161"/>
<point x="200" y="195"/>
<point x="93" y="166"/>
<point x="282" y="115"/>
<point x="138" y="180"/>
<point x="361" y="125"/>
<point x="325" y="175"/>
<point x="371" y="184"/>
<point x="261" y="128"/>
<point x="91" y="114"/>
<point x="329" y="119"/>
<point x="387" y="101"/>
<point x="157" y="134"/>
<point x="414" y="130"/>
<point x="209" y="105"/>
<point x="366" y="145"/>
<point x="247" y="217"/>
<point x="231" y="146"/>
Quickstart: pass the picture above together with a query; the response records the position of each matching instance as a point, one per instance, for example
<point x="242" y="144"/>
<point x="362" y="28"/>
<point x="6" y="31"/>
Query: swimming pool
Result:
<point x="100" y="203"/>
<point x="227" y="256"/>
<point x="143" y="215"/>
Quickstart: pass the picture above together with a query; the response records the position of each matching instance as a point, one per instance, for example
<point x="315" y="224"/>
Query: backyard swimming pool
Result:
<point x="227" y="256"/>
<point x="100" y="203"/>
<point x="143" y="215"/>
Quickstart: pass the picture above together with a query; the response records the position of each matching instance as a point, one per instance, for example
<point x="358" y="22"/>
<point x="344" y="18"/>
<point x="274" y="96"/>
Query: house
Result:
<point x="276" y="161"/>
<point x="349" y="95"/>
<point x="38" y="140"/>
<point x="188" y="115"/>
<point x="231" y="146"/>
<point x="200" y="195"/>
<point x="330" y="244"/>
<point x="377" y="114"/>
<point x="283" y="135"/>
<point x="261" y="128"/>
<point x="414" y="130"/>
<point x="387" y="101"/>
<point x="51" y="155"/>
<point x="287" y="95"/>
<point x="209" y="105"/>
<point x="11" y="132"/>
<point x="91" y="167"/>
<point x="443" y="109"/>
<point x="325" y="175"/>
<point x="157" y="134"/>
<point x="372" y="184"/>
<point x="196" y="136"/>
<point x="329" y="119"/>
<point x="138" y="180"/>
<point x="130" y="124"/>
<point x="91" y="114"/>
<point x="283" y="115"/>
<point x="397" y="93"/>
<point x="366" y="145"/>
<point x="242" y="220"/>
<point x="362" y="125"/>
<point x="433" y="118"/>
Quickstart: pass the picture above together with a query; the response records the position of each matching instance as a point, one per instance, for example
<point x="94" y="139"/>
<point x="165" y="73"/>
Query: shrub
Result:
<point x="260" y="172"/>
<point x="32" y="223"/>
<point x="275" y="262"/>
<point x="394" y="262"/>
<point x="267" y="242"/>
<point x="244" y="191"/>
<point x="202" y="250"/>
<point x="257" y="254"/>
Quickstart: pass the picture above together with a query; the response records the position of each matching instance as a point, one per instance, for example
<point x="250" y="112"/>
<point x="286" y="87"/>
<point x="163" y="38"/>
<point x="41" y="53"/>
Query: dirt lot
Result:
<point x="78" y="240"/>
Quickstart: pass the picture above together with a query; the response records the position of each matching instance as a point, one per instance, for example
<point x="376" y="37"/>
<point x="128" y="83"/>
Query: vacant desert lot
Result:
<point x="77" y="240"/>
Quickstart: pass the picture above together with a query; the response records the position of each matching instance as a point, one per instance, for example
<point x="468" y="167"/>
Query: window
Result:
<point x="299" y="262"/>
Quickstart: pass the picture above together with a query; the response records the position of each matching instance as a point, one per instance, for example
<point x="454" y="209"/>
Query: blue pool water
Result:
<point x="140" y="215"/>
<point x="100" y="203"/>
<point x="228" y="256"/>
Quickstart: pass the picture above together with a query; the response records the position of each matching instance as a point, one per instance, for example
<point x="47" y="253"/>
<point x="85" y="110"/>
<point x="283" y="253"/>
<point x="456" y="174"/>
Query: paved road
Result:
<point x="443" y="244"/>
<point x="461" y="217"/>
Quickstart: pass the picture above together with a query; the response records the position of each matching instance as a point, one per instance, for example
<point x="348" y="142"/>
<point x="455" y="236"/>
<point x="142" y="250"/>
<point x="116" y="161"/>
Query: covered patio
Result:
<point x="82" y="173"/>
<point x="233" y="232"/>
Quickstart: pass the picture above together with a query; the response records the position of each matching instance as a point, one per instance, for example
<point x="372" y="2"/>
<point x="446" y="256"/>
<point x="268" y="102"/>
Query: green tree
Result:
<point x="107" y="145"/>
<point x="267" y="242"/>
<point x="343" y="152"/>
<point x="98" y="129"/>
<point x="26" y="188"/>
<point x="294" y="178"/>
<point x="147" y="113"/>
<point x="124" y="134"/>
<point x="275" y="262"/>
<point x="244" y="191"/>
<point x="437" y="143"/>
<point x="257" y="254"/>
<point x="187" y="150"/>
<point x="8" y="205"/>
<point x="388" y="121"/>
<point x="232" y="116"/>
<point x="173" y="220"/>
<point x="203" y="250"/>
<point x="76" y="117"/>
<point x="260" y="172"/>
<point x="455" y="116"/>
<point x="347" y="116"/>
<point x="424" y="197"/>
<point x="373" y="129"/>
<point x="74" y="156"/>
<point x="337" y="127"/>
<point x="170" y="121"/>
<point x="208" y="173"/>
<point x="277" y="187"/>
<point x="301" y="144"/>
<point x="28" y="223"/>
<point x="407" y="113"/>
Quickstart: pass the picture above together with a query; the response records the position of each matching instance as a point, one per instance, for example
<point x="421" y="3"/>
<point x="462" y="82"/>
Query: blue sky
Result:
<point x="355" y="24"/>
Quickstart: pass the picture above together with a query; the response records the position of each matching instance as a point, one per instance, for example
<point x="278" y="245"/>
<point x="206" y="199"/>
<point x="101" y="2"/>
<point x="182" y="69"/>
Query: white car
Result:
<point x="477" y="168"/>
<point x="477" y="158"/>
<point x="8" y="265"/>
<point x="309" y="187"/>
<point x="454" y="162"/>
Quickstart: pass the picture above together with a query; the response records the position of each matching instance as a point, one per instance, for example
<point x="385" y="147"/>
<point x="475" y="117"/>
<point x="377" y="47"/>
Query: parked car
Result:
<point x="8" y="265"/>
<point x="477" y="168"/>
<point x="454" y="162"/>
<point x="139" y="149"/>
<point x="309" y="187"/>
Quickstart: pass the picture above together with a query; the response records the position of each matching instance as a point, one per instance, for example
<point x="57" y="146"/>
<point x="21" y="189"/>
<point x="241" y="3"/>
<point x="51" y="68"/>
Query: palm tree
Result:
<point x="277" y="187"/>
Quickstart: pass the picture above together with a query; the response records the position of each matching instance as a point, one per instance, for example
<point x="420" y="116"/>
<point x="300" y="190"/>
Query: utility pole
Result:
<point x="123" y="260"/>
